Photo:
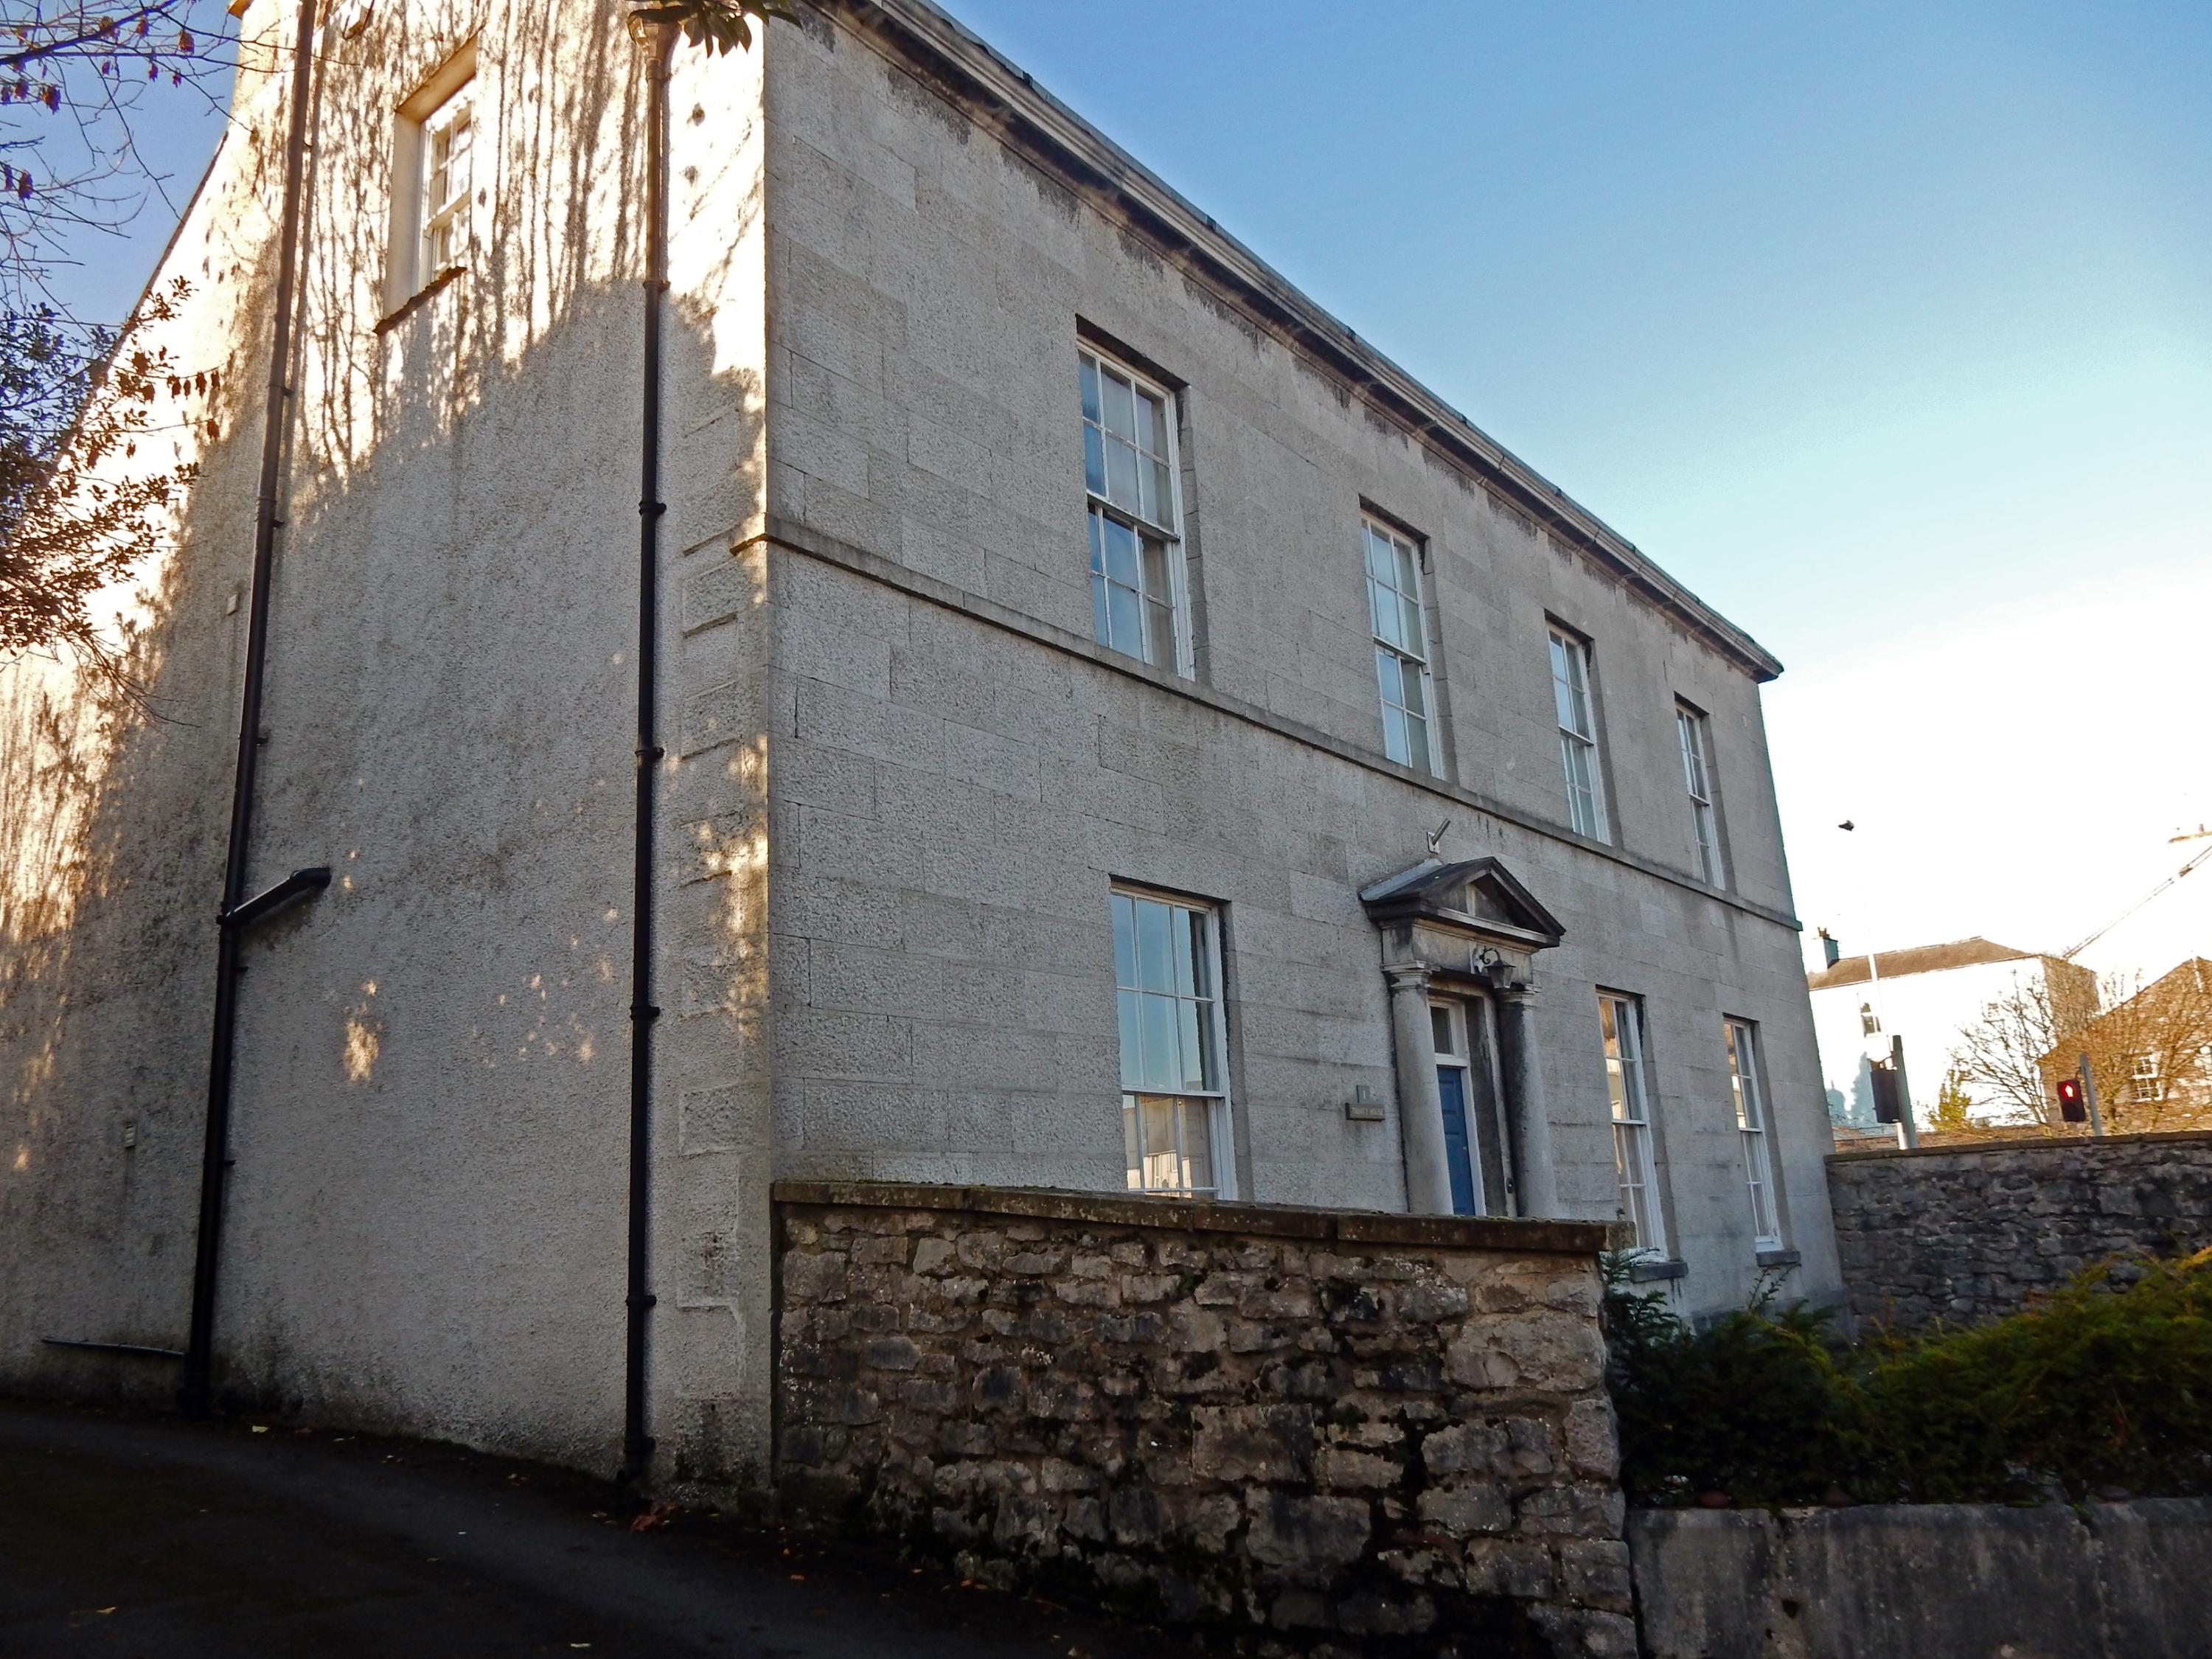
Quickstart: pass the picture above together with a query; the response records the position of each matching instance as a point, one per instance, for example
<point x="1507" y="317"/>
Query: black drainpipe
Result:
<point x="192" y="1393"/>
<point x="637" y="1444"/>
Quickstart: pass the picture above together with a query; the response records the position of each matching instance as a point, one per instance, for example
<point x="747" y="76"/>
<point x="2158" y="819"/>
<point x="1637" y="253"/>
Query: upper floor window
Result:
<point x="434" y="186"/>
<point x="1751" y="1132"/>
<point x="1401" y="644"/>
<point x="1620" y="1024"/>
<point x="1571" y="691"/>
<point x="1696" y="781"/>
<point x="2146" y="1082"/>
<point x="1166" y="969"/>
<point x="1137" y="586"/>
<point x="448" y="137"/>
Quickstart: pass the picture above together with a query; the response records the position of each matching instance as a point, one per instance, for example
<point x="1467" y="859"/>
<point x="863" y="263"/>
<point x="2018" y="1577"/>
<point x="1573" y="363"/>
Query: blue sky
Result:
<point x="1886" y="327"/>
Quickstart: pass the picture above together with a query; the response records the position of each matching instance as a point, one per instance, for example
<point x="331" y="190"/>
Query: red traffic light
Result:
<point x="2072" y="1106"/>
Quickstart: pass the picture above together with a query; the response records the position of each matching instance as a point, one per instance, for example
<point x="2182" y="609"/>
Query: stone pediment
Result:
<point x="1477" y="898"/>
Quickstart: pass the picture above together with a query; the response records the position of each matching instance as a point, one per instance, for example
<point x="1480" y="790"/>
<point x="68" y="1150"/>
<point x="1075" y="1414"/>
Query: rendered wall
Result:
<point x="427" y="1207"/>
<point x="1973" y="1233"/>
<point x="1331" y="1429"/>
<point x="958" y="773"/>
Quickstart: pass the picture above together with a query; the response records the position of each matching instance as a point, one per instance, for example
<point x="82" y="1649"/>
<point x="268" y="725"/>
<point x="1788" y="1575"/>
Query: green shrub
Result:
<point x="2106" y="1383"/>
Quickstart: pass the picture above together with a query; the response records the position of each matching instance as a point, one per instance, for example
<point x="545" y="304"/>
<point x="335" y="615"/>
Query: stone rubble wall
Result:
<point x="1970" y="1233"/>
<point x="1913" y="1581"/>
<point x="1324" y="1431"/>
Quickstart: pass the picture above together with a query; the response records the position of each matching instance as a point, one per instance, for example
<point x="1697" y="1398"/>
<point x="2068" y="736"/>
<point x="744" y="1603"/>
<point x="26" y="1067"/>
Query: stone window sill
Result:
<point x="1780" y="1258"/>
<point x="1644" y="1272"/>
<point x="420" y="298"/>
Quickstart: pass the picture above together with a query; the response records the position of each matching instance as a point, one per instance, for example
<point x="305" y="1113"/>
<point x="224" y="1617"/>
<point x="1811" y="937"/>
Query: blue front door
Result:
<point x="1451" y="1088"/>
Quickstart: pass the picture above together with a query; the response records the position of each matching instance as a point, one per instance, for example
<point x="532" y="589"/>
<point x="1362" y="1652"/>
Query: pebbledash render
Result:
<point x="1122" y="733"/>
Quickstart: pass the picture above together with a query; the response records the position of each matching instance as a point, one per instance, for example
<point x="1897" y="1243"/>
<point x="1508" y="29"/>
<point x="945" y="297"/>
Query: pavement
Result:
<point x="148" y="1537"/>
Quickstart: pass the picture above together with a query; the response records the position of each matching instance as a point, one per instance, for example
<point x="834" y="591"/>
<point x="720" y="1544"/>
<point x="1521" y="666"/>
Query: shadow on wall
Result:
<point x="460" y="512"/>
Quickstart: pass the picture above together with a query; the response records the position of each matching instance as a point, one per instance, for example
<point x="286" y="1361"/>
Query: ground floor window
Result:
<point x="1166" y="975"/>
<point x="1621" y="1021"/>
<point x="1751" y="1131"/>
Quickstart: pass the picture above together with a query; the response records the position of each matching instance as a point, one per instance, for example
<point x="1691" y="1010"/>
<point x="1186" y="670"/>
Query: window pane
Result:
<point x="1125" y="621"/>
<point x="1132" y="1149"/>
<point x="1133" y="1053"/>
<point x="1090" y="390"/>
<point x="1411" y="632"/>
<point x="1124" y="939"/>
<point x="1383" y="610"/>
<point x="1182" y="929"/>
<point x="1411" y="681"/>
<point x="1440" y="1022"/>
<point x="1121" y="474"/>
<point x="1417" y="743"/>
<point x="1158" y="584"/>
<point x="1094" y="461"/>
<point x="1160" y="506"/>
<point x="1155" y="946"/>
<point x="1118" y="398"/>
<point x="1118" y="550"/>
<point x="1159" y="634"/>
<point x="1144" y="429"/>
<point x="1394" y="742"/>
<point x="1197" y="1145"/>
<point x="1162" y="1043"/>
<point x="1191" y="1068"/>
<point x="1101" y="629"/>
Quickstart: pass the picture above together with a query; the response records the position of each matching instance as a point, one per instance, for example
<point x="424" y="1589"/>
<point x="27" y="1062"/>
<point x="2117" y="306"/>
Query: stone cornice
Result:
<point x="959" y="66"/>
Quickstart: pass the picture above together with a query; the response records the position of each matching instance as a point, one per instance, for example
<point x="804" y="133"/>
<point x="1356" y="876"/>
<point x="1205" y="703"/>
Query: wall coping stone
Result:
<point x="1207" y="1216"/>
<point x="2055" y="1143"/>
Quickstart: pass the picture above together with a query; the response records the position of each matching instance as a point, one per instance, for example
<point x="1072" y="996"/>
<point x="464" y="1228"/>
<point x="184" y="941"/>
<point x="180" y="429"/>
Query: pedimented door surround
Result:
<point x="1469" y="930"/>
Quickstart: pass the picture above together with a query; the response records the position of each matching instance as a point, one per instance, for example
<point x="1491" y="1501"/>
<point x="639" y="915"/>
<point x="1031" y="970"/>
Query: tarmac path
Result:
<point x="147" y="1537"/>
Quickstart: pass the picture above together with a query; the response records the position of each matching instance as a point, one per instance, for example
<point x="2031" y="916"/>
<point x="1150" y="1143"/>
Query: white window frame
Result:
<point x="1213" y="1102"/>
<point x="1161" y="529"/>
<point x="444" y="216"/>
<point x="1392" y="612"/>
<point x="1575" y="708"/>
<point x="451" y="91"/>
<point x="2145" y="1079"/>
<point x="1693" y="732"/>
<point x="1750" y="1123"/>
<point x="1628" y="1087"/>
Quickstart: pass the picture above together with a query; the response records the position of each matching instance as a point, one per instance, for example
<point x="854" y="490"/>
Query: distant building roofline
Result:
<point x="1917" y="959"/>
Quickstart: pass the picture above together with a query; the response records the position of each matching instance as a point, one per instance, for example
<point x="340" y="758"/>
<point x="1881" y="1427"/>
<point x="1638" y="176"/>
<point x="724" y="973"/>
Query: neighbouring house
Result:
<point x="1118" y="731"/>
<point x="2150" y="1055"/>
<point x="1929" y="995"/>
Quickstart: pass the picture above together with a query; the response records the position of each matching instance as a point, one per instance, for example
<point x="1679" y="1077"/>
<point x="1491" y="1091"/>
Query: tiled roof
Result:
<point x="1920" y="959"/>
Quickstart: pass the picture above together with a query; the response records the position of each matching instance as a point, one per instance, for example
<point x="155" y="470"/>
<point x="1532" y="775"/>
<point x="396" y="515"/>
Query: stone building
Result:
<point x="1119" y="732"/>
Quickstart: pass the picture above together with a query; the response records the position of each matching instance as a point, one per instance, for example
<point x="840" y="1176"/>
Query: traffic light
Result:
<point x="2072" y="1106"/>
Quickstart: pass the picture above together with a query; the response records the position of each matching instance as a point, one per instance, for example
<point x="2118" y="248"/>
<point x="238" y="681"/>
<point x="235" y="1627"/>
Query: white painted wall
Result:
<point x="1930" y="1012"/>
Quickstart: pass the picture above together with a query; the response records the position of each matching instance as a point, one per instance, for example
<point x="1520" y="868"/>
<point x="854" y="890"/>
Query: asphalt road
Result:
<point x="138" y="1535"/>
